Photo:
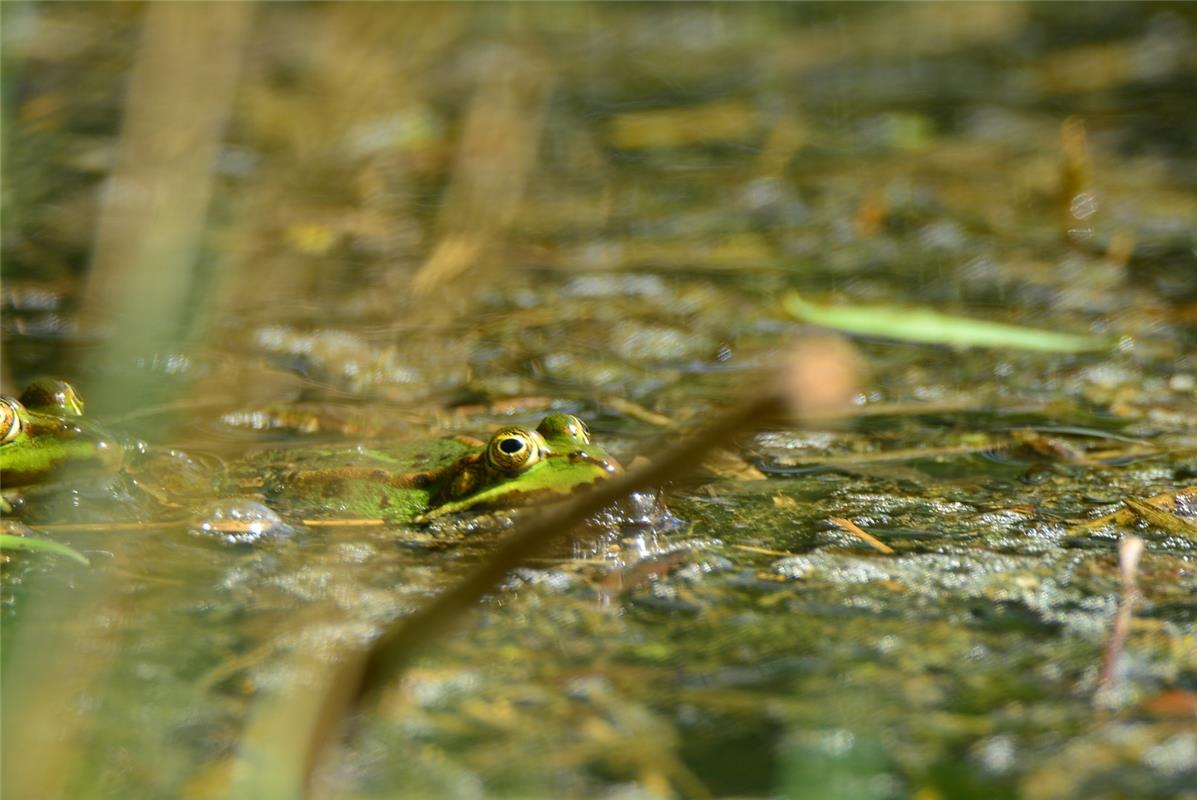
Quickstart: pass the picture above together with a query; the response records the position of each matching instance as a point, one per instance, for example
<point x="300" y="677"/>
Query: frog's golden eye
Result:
<point x="10" y="420"/>
<point x="556" y="426"/>
<point x="513" y="450"/>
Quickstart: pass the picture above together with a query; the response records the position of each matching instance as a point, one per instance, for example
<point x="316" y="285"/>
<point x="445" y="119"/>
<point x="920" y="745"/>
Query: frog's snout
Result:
<point x="608" y="465"/>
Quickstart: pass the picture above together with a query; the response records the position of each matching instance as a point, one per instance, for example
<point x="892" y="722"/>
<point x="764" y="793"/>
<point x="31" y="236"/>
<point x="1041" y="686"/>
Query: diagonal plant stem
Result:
<point x="818" y="381"/>
<point x="392" y="650"/>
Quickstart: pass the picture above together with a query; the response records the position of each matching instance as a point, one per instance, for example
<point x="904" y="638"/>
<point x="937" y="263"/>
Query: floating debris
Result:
<point x="683" y="127"/>
<point x="1135" y="509"/>
<point x="1161" y="518"/>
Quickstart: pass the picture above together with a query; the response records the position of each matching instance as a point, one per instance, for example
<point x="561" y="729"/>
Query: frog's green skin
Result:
<point x="418" y="481"/>
<point x="43" y="432"/>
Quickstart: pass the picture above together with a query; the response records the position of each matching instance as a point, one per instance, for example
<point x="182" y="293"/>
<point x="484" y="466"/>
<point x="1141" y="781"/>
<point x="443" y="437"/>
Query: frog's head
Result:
<point x="43" y="431"/>
<point x="520" y="466"/>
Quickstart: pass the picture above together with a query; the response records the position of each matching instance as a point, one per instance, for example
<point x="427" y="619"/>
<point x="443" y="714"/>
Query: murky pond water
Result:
<point x="253" y="237"/>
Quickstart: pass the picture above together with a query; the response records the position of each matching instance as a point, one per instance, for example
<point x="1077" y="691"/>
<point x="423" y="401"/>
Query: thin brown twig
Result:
<point x="107" y="527"/>
<point x="764" y="551"/>
<point x="872" y="541"/>
<point x="348" y="522"/>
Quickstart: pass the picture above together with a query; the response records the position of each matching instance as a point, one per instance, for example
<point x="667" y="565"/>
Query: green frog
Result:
<point x="422" y="480"/>
<point x="44" y="434"/>
<point x="43" y="431"/>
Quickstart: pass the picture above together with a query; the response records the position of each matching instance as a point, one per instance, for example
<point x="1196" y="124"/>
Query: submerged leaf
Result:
<point x="9" y="541"/>
<point x="932" y="327"/>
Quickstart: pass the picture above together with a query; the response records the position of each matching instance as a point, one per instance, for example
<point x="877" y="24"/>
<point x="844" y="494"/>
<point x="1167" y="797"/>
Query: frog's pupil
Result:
<point x="511" y="446"/>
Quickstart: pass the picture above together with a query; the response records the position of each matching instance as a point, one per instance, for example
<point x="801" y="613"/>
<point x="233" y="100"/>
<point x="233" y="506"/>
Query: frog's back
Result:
<point x="391" y="480"/>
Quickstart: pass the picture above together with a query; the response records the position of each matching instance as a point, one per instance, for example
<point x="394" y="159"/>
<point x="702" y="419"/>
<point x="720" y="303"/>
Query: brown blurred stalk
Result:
<point x="151" y="220"/>
<point x="494" y="156"/>
<point x="154" y="206"/>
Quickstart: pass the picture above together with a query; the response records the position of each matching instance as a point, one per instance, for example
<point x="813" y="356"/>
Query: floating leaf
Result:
<point x="932" y="327"/>
<point x="10" y="542"/>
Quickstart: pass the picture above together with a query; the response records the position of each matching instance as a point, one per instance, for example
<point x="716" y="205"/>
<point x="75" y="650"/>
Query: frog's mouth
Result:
<point x="529" y="496"/>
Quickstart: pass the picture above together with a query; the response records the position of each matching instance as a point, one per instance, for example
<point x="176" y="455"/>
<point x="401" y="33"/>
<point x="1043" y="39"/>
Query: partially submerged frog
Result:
<point x="419" y="481"/>
<point x="43" y="432"/>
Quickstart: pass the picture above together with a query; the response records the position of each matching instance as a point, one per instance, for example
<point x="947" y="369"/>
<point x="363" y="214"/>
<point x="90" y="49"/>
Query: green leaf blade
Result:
<point x="932" y="327"/>
<point x="9" y="541"/>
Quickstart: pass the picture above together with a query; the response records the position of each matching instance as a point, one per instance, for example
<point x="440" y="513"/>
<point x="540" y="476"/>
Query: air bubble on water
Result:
<point x="239" y="521"/>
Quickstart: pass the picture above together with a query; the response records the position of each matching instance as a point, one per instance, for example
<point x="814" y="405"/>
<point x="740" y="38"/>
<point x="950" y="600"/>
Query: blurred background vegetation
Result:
<point x="235" y="224"/>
